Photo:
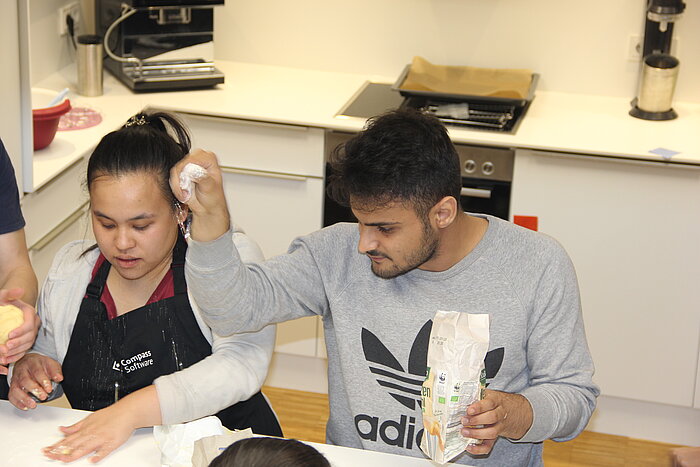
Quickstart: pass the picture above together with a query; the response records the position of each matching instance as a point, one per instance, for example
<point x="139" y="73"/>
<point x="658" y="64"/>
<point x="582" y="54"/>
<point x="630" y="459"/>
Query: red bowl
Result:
<point x="46" y="122"/>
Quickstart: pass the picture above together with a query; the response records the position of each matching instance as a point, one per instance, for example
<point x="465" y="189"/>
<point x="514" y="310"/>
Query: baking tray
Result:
<point x="463" y="97"/>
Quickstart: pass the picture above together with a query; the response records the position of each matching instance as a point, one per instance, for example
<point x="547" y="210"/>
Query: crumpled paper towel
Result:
<point x="176" y="442"/>
<point x="190" y="174"/>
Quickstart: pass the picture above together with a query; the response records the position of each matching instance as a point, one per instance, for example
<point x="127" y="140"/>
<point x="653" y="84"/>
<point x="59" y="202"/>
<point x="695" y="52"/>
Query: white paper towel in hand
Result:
<point x="176" y="442"/>
<point x="190" y="174"/>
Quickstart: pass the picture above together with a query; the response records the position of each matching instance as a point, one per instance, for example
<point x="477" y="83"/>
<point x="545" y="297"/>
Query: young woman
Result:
<point x="120" y="332"/>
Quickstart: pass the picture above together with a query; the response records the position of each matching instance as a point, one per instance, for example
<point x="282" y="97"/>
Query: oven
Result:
<point x="487" y="173"/>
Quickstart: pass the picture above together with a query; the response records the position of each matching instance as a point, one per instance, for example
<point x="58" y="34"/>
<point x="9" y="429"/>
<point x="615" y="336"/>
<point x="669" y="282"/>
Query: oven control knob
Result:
<point x="487" y="168"/>
<point x="470" y="166"/>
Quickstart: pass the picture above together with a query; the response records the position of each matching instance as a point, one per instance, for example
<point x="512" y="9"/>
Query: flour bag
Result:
<point x="455" y="377"/>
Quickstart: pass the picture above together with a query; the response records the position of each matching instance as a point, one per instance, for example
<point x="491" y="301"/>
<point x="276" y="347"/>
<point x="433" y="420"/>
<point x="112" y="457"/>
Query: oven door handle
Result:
<point x="476" y="192"/>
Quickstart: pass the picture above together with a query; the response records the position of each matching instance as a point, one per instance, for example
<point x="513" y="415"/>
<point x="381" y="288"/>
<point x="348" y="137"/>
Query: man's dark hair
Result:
<point x="401" y="156"/>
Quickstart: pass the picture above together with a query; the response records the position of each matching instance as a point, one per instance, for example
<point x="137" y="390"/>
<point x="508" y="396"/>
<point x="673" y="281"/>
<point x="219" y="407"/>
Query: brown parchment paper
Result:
<point x="492" y="82"/>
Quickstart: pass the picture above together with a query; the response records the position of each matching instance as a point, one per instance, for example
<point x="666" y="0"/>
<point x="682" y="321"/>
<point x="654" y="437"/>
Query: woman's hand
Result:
<point x="497" y="414"/>
<point x="33" y="374"/>
<point x="22" y="337"/>
<point x="102" y="432"/>
<point x="210" y="218"/>
<point x="98" y="434"/>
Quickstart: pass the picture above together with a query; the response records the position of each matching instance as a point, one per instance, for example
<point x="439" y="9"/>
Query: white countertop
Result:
<point x="25" y="433"/>
<point x="559" y="122"/>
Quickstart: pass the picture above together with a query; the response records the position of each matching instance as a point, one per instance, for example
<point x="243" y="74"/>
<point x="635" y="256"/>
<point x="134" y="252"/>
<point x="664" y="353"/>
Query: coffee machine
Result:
<point x="158" y="45"/>
<point x="659" y="68"/>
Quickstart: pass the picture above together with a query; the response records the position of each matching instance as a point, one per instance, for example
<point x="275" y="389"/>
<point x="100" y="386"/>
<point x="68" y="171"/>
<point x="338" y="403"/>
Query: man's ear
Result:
<point x="444" y="212"/>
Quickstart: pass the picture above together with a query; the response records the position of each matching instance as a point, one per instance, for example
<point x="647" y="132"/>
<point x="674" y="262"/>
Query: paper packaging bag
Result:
<point x="455" y="378"/>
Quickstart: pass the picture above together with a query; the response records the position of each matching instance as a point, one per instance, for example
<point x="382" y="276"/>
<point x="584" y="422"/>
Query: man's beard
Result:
<point x="424" y="253"/>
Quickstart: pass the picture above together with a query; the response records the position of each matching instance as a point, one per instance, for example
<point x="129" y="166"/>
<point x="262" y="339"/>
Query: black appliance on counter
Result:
<point x="158" y="45"/>
<point x="660" y="16"/>
<point x="470" y="112"/>
<point x="487" y="174"/>
<point x="659" y="69"/>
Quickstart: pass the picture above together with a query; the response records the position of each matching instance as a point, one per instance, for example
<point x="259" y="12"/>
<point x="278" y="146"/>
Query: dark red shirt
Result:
<point x="164" y="290"/>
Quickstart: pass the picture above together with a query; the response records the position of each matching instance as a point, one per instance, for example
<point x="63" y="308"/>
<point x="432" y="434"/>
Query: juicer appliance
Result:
<point x="659" y="69"/>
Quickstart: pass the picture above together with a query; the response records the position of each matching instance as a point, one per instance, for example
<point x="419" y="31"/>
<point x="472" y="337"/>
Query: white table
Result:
<point x="23" y="434"/>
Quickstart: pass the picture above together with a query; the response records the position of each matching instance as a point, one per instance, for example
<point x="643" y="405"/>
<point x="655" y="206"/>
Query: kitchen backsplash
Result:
<point x="577" y="47"/>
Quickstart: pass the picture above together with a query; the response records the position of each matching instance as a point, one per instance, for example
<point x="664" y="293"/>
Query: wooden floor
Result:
<point x="303" y="416"/>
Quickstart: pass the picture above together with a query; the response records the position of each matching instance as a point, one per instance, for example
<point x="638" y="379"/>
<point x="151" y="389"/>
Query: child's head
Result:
<point x="264" y="452"/>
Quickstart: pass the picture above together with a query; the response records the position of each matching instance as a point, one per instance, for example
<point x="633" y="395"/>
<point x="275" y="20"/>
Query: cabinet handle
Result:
<point x="59" y="229"/>
<point x="265" y="173"/>
<point x="475" y="192"/>
<point x="603" y="158"/>
<point x="240" y="121"/>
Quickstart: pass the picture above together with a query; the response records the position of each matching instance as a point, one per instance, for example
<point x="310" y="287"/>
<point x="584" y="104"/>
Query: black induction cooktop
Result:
<point x="477" y="114"/>
<point x="372" y="99"/>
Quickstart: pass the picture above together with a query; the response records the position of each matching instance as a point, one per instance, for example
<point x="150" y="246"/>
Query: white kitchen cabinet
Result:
<point x="696" y="402"/>
<point x="273" y="181"/>
<point x="632" y="230"/>
<point x="75" y="227"/>
<point x="55" y="215"/>
<point x="48" y="207"/>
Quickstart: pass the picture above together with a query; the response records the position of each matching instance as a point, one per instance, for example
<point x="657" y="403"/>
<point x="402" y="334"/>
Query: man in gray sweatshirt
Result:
<point x="378" y="283"/>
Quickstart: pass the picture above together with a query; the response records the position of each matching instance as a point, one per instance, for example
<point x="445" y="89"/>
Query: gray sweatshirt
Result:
<point x="377" y="330"/>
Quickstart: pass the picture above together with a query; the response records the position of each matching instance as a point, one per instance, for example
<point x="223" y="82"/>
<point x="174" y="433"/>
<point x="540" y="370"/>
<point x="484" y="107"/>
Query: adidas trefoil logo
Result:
<point x="404" y="384"/>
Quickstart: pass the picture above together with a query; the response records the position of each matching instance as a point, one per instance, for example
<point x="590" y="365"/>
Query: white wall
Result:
<point x="10" y="131"/>
<point x="13" y="91"/>
<point x="48" y="52"/>
<point x="578" y="47"/>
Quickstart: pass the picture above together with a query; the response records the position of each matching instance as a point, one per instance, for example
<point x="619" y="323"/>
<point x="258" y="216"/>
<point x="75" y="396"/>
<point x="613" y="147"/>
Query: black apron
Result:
<point x="110" y="358"/>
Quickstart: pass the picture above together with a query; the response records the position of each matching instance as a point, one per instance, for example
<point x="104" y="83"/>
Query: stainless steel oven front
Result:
<point x="487" y="174"/>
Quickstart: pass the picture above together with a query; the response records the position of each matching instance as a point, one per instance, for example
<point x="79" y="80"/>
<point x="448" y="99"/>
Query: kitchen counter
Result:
<point x="38" y="428"/>
<point x="558" y="122"/>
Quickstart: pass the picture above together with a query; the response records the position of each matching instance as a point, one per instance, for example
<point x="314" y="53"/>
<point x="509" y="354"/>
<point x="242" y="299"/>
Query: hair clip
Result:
<point x="137" y="120"/>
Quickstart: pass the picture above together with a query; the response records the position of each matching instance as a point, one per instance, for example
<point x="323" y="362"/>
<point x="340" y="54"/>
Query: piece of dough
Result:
<point x="11" y="317"/>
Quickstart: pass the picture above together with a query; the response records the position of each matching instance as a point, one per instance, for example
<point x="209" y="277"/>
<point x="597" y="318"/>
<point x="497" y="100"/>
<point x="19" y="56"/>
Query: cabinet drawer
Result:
<point x="293" y="207"/>
<point x="75" y="227"/>
<point x="49" y="206"/>
<point x="269" y="147"/>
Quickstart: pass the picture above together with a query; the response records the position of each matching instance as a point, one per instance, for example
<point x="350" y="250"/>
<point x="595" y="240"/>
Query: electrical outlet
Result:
<point x="72" y="9"/>
<point x="676" y="46"/>
<point x="634" y="48"/>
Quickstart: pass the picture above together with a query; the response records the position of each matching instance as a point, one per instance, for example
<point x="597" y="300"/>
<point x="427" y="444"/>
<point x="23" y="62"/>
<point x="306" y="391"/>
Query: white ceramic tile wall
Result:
<point x="578" y="47"/>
